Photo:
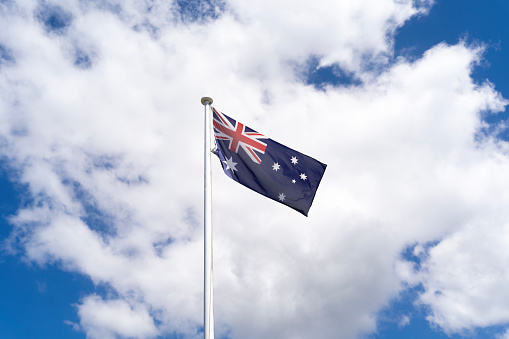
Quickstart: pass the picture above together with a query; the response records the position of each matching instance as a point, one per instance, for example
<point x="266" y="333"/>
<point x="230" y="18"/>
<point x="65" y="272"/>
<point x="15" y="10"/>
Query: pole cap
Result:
<point x="205" y="99"/>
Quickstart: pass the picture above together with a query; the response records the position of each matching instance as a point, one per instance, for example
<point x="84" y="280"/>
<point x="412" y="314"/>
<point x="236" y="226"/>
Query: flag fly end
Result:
<point x="206" y="101"/>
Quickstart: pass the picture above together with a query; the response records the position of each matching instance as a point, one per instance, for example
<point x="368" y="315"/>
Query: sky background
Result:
<point x="101" y="133"/>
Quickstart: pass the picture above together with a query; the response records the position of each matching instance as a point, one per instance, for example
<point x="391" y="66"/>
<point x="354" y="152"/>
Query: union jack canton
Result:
<point x="266" y="166"/>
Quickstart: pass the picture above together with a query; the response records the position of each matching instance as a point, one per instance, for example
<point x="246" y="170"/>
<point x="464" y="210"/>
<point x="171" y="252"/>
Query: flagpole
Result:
<point x="208" y="312"/>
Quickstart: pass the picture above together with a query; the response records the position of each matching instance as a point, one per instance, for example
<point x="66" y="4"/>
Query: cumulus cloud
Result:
<point x="463" y="280"/>
<point x="114" y="318"/>
<point x="101" y="118"/>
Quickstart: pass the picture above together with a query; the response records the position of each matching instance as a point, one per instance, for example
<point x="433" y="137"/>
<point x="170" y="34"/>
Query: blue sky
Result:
<point x="475" y="22"/>
<point x="472" y="21"/>
<point x="87" y="159"/>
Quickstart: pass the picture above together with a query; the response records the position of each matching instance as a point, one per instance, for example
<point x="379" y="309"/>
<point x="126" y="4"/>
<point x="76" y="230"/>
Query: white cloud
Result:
<point x="464" y="282"/>
<point x="505" y="335"/>
<point x="75" y="327"/>
<point x="404" y="321"/>
<point x="121" y="140"/>
<point x="112" y="318"/>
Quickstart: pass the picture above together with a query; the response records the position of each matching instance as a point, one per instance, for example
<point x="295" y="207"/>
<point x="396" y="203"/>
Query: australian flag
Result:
<point x="266" y="166"/>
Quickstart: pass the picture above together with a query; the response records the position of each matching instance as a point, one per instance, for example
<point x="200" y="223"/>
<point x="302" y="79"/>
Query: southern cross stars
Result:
<point x="302" y="176"/>
<point x="294" y="161"/>
<point x="230" y="164"/>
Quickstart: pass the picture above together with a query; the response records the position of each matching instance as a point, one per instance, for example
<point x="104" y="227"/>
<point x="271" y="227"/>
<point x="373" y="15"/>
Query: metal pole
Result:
<point x="208" y="313"/>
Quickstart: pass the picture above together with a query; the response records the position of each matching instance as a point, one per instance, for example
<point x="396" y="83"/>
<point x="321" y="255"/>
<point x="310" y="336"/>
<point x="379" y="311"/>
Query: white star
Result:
<point x="281" y="197"/>
<point x="294" y="181"/>
<point x="230" y="164"/>
<point x="303" y="176"/>
<point x="295" y="160"/>
<point x="276" y="166"/>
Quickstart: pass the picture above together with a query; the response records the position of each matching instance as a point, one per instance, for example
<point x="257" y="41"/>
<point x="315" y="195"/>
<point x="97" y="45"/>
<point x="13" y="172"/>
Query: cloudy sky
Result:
<point x="101" y="154"/>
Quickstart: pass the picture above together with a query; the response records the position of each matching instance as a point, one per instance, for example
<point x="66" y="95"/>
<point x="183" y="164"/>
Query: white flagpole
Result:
<point x="208" y="312"/>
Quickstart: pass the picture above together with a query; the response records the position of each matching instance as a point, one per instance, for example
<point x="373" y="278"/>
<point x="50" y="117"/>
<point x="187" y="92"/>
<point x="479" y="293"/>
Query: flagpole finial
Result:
<point x="204" y="101"/>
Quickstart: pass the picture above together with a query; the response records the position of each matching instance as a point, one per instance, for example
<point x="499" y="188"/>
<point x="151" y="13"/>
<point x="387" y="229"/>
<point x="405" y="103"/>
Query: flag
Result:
<point x="266" y="166"/>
